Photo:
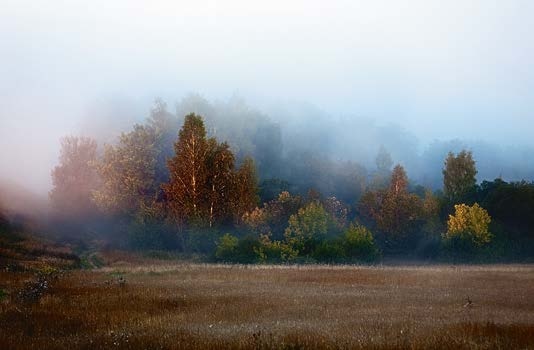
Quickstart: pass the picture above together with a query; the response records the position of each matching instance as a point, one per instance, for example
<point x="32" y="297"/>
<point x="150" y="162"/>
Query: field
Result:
<point x="173" y="305"/>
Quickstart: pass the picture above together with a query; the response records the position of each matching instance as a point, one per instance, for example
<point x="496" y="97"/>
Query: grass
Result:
<point x="173" y="305"/>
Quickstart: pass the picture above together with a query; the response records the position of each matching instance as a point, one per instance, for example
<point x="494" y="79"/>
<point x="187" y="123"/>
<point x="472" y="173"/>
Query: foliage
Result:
<point x="246" y="189"/>
<point x="395" y="211"/>
<point x="127" y="171"/>
<point x="338" y="214"/>
<point x="469" y="224"/>
<point x="187" y="190"/>
<point x="231" y="249"/>
<point x="201" y="240"/>
<point x="269" y="189"/>
<point x="329" y="251"/>
<point x="226" y="247"/>
<point x="383" y="169"/>
<point x="204" y="188"/>
<point x="307" y="228"/>
<point x="358" y="243"/>
<point x="275" y="251"/>
<point x="273" y="218"/>
<point x="511" y="204"/>
<point x="75" y="178"/>
<point x="459" y="176"/>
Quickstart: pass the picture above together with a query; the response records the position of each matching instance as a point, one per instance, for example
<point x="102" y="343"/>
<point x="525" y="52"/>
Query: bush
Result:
<point x="329" y="251"/>
<point x="202" y="240"/>
<point x="307" y="228"/>
<point x="359" y="244"/>
<point x="244" y="250"/>
<point x="226" y="248"/>
<point x="468" y="227"/>
<point x="274" y="251"/>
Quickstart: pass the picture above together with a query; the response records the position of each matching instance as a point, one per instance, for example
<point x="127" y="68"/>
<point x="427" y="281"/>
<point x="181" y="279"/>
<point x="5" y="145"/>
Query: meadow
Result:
<point x="160" y="304"/>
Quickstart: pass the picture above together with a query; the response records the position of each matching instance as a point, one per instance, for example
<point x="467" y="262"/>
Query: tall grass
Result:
<point x="201" y="306"/>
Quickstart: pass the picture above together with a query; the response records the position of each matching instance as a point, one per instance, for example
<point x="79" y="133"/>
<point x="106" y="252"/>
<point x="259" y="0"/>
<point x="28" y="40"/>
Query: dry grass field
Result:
<point x="162" y="305"/>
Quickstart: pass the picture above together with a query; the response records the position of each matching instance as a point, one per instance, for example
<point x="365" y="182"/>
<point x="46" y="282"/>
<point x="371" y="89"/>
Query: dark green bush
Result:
<point x="226" y="247"/>
<point x="330" y="251"/>
<point x="359" y="244"/>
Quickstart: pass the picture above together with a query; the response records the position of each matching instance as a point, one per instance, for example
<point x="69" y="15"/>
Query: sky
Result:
<point x="440" y="69"/>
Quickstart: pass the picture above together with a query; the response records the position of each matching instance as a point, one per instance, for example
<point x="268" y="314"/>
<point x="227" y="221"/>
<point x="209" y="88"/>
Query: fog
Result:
<point x="422" y="73"/>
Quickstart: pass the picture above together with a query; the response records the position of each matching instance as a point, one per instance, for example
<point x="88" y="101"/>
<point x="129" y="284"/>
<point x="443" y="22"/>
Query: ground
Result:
<point x="140" y="303"/>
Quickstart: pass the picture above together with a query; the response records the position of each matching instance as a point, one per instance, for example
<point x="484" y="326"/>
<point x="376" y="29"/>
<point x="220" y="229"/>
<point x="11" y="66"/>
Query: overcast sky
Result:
<point x="441" y="69"/>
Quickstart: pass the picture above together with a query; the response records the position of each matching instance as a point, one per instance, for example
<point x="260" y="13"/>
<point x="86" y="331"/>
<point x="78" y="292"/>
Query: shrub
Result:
<point x="246" y="250"/>
<point x="226" y="247"/>
<point x="329" y="251"/>
<point x="468" y="226"/>
<point x="359" y="244"/>
<point x="307" y="228"/>
<point x="202" y="240"/>
<point x="274" y="251"/>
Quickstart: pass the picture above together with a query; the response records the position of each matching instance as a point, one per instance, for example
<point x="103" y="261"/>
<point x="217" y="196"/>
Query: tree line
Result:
<point x="170" y="186"/>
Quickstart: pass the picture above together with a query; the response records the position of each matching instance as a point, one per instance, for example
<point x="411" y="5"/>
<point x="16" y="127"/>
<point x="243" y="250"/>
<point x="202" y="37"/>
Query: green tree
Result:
<point x="469" y="224"/>
<point x="359" y="243"/>
<point x="226" y="247"/>
<point x="307" y="228"/>
<point x="75" y="178"/>
<point x="459" y="176"/>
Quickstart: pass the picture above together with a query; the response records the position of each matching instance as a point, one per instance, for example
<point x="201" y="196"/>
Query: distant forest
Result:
<point x="224" y="182"/>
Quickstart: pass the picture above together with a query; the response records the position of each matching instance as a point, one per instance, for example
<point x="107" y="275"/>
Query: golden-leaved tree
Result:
<point x="204" y="188"/>
<point x="469" y="224"/>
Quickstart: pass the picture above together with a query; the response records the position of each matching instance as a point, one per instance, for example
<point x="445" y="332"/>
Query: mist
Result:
<point x="422" y="77"/>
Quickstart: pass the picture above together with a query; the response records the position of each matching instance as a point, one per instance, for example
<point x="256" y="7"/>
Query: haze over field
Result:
<point x="424" y="70"/>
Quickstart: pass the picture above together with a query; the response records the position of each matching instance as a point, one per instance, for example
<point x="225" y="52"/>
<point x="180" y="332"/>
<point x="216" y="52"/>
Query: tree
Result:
<point x="75" y="178"/>
<point x="220" y="181"/>
<point x="307" y="228"/>
<point x="383" y="160"/>
<point x="128" y="171"/>
<point x="279" y="211"/>
<point x="226" y="247"/>
<point x="469" y="224"/>
<point x="246" y="189"/>
<point x="459" y="176"/>
<point x="204" y="187"/>
<point x="358" y="243"/>
<point x="187" y="190"/>
<point x="165" y="126"/>
<point x="395" y="211"/>
<point x="400" y="209"/>
<point x="383" y="169"/>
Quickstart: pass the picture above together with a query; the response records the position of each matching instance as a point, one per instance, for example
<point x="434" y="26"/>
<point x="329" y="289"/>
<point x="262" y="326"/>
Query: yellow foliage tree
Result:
<point x="469" y="223"/>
